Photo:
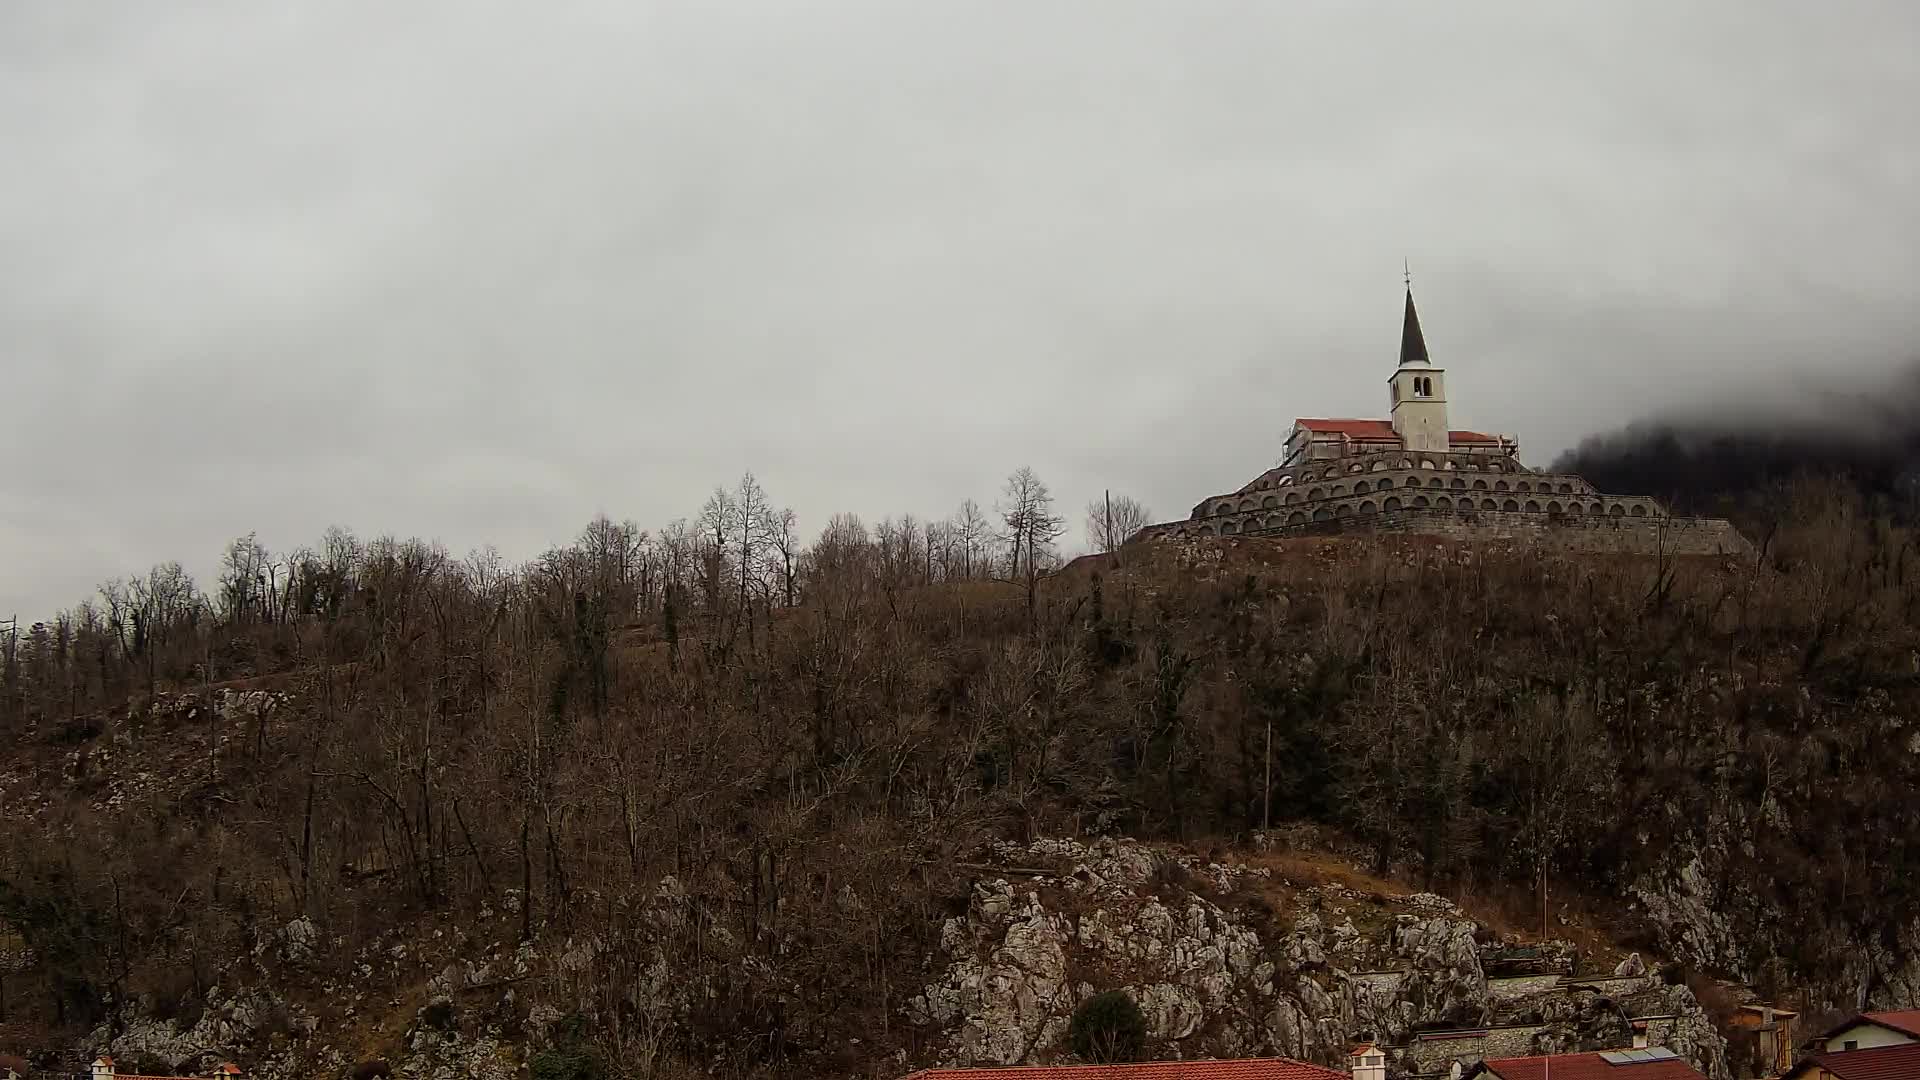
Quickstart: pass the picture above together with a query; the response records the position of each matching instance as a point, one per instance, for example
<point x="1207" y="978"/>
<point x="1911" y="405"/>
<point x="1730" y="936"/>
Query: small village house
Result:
<point x="105" y="1069"/>
<point x="1900" y="1061"/>
<point x="1870" y="1030"/>
<point x="1772" y="1029"/>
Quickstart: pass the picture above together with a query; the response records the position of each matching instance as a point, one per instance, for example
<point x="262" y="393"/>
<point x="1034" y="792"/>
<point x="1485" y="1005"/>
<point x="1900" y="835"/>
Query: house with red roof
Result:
<point x="1652" y="1063"/>
<point x="1900" y="1061"/>
<point x="1874" y="1029"/>
<point x="105" y="1069"/>
<point x="1235" y="1069"/>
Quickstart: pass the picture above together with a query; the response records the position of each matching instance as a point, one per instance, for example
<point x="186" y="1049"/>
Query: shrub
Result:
<point x="1108" y="1028"/>
<point x="568" y="1064"/>
<point x="439" y="1014"/>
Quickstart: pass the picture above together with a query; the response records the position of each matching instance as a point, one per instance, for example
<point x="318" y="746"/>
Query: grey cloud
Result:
<point x="477" y="271"/>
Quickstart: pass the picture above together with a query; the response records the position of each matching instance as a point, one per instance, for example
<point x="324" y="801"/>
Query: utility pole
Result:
<point x="1266" y="790"/>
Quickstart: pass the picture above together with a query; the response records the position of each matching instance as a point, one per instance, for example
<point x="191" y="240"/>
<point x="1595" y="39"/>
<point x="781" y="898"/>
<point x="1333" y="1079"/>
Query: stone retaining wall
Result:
<point x="1582" y="533"/>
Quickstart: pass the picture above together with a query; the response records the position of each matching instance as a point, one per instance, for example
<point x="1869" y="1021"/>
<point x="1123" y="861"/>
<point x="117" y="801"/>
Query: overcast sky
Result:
<point x="478" y="271"/>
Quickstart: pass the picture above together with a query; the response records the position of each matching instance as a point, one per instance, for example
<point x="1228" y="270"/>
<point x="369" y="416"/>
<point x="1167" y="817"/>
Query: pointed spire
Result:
<point x="1413" y="344"/>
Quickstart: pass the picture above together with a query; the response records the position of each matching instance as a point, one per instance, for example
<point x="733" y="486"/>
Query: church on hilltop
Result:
<point x="1415" y="474"/>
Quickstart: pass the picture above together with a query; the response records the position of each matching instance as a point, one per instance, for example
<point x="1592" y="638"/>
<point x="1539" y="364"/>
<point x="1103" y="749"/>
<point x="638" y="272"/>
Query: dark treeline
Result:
<point x="812" y="741"/>
<point x="1738" y="462"/>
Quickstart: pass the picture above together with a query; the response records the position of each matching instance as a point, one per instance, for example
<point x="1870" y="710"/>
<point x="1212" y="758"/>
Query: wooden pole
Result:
<point x="1266" y="792"/>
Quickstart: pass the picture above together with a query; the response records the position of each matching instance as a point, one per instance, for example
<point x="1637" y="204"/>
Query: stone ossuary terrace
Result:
<point x="1414" y="475"/>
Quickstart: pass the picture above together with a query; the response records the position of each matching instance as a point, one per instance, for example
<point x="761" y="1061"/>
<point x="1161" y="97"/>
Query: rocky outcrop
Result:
<point x="1217" y="979"/>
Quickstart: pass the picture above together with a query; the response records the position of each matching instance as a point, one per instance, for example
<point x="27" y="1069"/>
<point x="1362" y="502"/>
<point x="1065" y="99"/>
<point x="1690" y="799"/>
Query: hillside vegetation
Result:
<point x="811" y="744"/>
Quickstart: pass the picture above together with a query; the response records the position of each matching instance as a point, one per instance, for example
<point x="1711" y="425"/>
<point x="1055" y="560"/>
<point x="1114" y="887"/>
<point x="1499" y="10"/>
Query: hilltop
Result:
<point x="666" y="808"/>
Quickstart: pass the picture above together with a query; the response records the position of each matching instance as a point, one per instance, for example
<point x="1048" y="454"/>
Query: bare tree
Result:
<point x="971" y="532"/>
<point x="1111" y="520"/>
<point x="1029" y="528"/>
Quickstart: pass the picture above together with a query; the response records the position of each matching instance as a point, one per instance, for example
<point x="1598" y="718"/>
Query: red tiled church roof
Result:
<point x="1380" y="430"/>
<point x="1238" y="1069"/>
<point x="1588" y="1067"/>
<point x="1881" y="1063"/>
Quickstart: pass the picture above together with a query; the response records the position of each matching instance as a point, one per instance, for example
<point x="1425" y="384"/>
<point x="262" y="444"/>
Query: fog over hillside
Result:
<point x="1863" y="429"/>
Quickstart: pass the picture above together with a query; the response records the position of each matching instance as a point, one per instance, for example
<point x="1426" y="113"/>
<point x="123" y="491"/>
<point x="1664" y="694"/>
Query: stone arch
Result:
<point x="1344" y="510"/>
<point x="1224" y="508"/>
<point x="1494" y="466"/>
<point x="1566" y="489"/>
<point x="1500" y="485"/>
<point x="1427" y="463"/>
<point x="1616" y="510"/>
<point x="1522" y="486"/>
<point x="1368" y="507"/>
<point x="1361" y="487"/>
<point x="1205" y="530"/>
<point x="1443" y="502"/>
<point x="1246" y="504"/>
<point x="1479" y="485"/>
<point x="1435" y="482"/>
<point x="1356" y="467"/>
<point x="1229" y="528"/>
<point x="1269" y="502"/>
<point x="1459" y="484"/>
<point x="1554" y="507"/>
<point x="1411" y="481"/>
<point x="1273" y="521"/>
<point x="1291" y="498"/>
<point x="1405" y="463"/>
<point x="1298" y="517"/>
<point x="1393" y="503"/>
<point x="1420" y="502"/>
<point x="1638" y="510"/>
<point x="1283" y="481"/>
<point x="1489" y="504"/>
<point x="1510" y="505"/>
<point x="1322" y="514"/>
<point x="1534" y="507"/>
<point x="1596" y="508"/>
<point x="1338" y="489"/>
<point x="1379" y="466"/>
<point x="1317" y="493"/>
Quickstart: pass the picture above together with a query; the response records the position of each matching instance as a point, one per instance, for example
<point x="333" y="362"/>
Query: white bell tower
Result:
<point x="1419" y="391"/>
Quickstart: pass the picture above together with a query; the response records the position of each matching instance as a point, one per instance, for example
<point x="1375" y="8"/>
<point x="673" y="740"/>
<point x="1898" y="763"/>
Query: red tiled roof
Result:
<point x="1239" y="1069"/>
<point x="1881" y="1063"/>
<point x="1380" y="430"/>
<point x="1907" y="1020"/>
<point x="1588" y="1067"/>
<point x="1353" y="429"/>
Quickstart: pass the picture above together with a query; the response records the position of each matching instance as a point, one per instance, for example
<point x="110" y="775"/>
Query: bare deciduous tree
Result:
<point x="1030" y="527"/>
<point x="1112" y="520"/>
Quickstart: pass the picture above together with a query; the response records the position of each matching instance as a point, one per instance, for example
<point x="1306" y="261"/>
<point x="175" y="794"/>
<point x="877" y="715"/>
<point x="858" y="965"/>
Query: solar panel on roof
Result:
<point x="1636" y="1057"/>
